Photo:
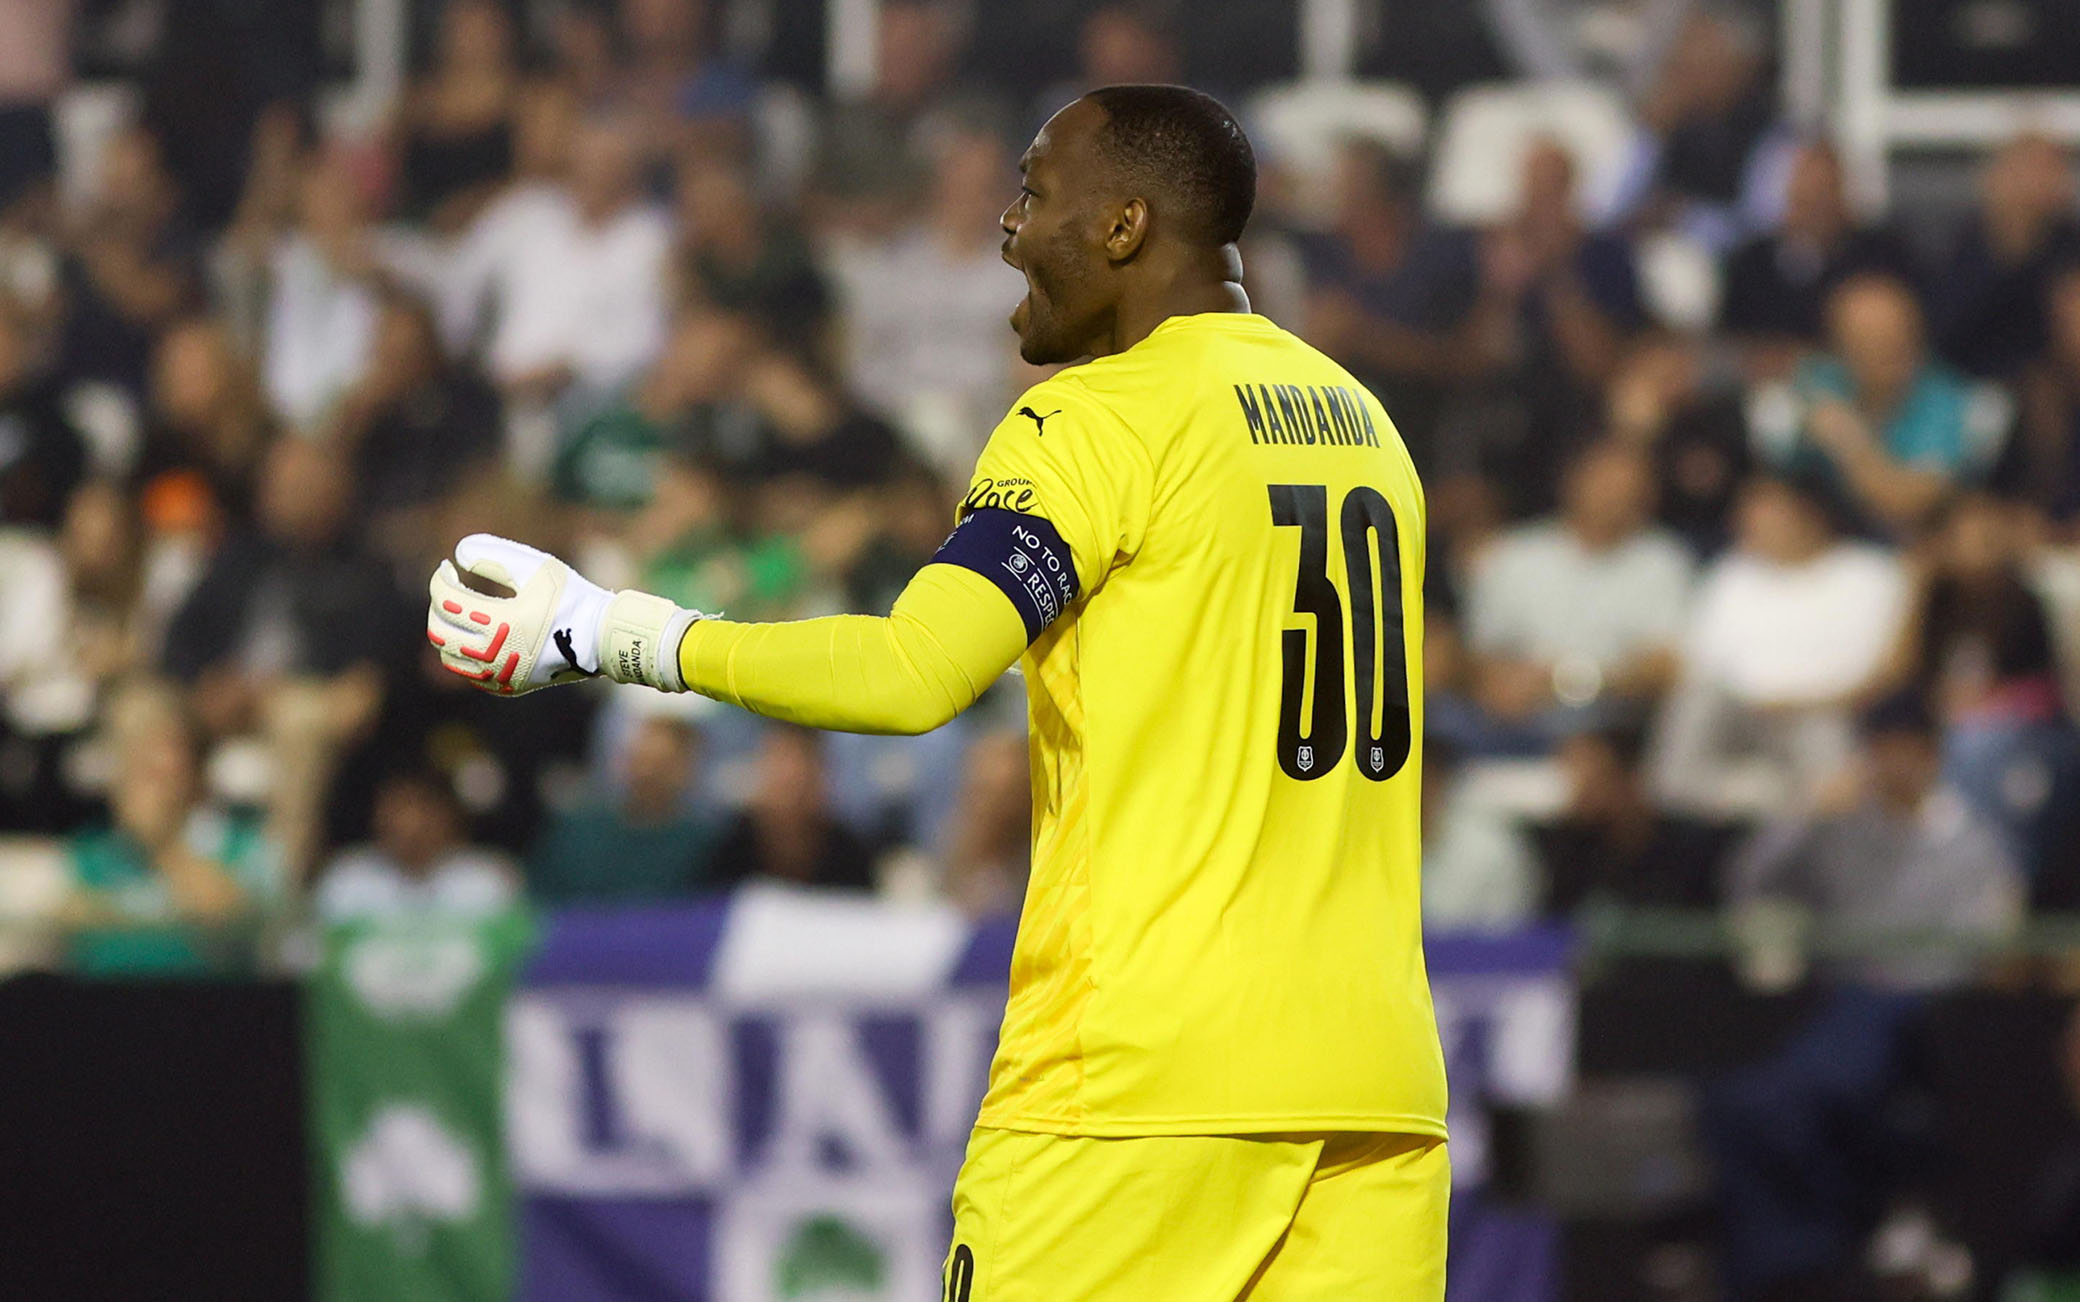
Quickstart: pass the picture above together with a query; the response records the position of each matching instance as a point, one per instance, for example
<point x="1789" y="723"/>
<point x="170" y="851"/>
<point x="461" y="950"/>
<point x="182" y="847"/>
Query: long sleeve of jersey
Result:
<point x="951" y="633"/>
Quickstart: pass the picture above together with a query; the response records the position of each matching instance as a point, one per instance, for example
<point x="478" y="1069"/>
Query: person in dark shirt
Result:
<point x="1777" y="284"/>
<point x="1989" y="306"/>
<point x="646" y="843"/>
<point x="131" y="268"/>
<point x="1979" y="651"/>
<point x="814" y="432"/>
<point x="41" y="456"/>
<point x="415" y="426"/>
<point x="1709" y="121"/>
<point x="457" y="132"/>
<point x="2043" y="462"/>
<point x="741" y="259"/>
<point x="787" y="833"/>
<point x="208" y="419"/>
<point x="1553" y="311"/>
<point x="1385" y="294"/>
<point x="1611" y="844"/>
<point x="289" y="637"/>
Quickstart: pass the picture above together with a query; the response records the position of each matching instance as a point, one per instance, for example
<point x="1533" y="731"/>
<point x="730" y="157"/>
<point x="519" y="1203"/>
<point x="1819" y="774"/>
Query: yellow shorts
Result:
<point x="1054" y="1218"/>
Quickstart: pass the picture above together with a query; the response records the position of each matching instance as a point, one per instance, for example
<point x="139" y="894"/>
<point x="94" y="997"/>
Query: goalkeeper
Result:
<point x="1219" y="1073"/>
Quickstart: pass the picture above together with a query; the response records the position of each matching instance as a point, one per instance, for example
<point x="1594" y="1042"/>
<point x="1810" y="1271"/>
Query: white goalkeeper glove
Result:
<point x="557" y="627"/>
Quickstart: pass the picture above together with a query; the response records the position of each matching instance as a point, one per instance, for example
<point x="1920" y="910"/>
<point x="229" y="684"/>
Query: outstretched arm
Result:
<point x="949" y="636"/>
<point x="511" y="619"/>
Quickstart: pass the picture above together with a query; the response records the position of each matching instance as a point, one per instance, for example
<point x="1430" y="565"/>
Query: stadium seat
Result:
<point x="33" y="886"/>
<point x="1484" y="131"/>
<point x="83" y="119"/>
<point x="1298" y="126"/>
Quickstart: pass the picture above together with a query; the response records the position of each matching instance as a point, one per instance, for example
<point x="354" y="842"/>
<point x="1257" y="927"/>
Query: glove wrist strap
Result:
<point x="639" y="637"/>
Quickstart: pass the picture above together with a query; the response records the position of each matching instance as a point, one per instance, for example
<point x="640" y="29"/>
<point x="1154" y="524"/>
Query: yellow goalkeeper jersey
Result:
<point x="1222" y="931"/>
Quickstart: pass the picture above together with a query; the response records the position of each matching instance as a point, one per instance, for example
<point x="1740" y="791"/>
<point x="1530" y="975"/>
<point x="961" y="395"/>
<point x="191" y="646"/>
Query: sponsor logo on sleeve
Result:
<point x="1009" y="494"/>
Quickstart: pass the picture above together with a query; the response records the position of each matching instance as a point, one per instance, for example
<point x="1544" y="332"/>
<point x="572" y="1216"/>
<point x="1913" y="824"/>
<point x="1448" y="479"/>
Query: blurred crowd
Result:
<point x="1704" y="558"/>
<point x="1754" y="583"/>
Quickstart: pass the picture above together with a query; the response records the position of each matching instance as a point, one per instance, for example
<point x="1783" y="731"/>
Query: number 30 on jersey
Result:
<point x="1379" y="652"/>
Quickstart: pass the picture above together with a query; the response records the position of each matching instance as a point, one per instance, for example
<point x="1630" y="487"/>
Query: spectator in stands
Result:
<point x="582" y="51"/>
<point x="647" y="843"/>
<point x="1664" y="401"/>
<point x="787" y="832"/>
<point x="925" y="304"/>
<point x="1888" y="427"/>
<point x="816" y="437"/>
<point x="872" y="160"/>
<point x="321" y="309"/>
<point x="1803" y="1139"/>
<point x="288" y="634"/>
<point x="1978" y="648"/>
<point x="1586" y="606"/>
<point x="420" y="861"/>
<point x="574" y="274"/>
<point x="909" y="518"/>
<point x="1611" y="844"/>
<point x="1989" y="306"/>
<point x="683" y="93"/>
<point x="455" y="131"/>
<point x="686" y="404"/>
<point x="152" y="891"/>
<point x="744" y="257"/>
<point x="1788" y="627"/>
<point x="700" y="542"/>
<point x="41" y="454"/>
<point x="414" y="426"/>
<point x="76" y="629"/>
<point x="131" y="267"/>
<point x="1777" y="283"/>
<point x="1119" y="44"/>
<point x="1708" y="132"/>
<point x="1384" y="295"/>
<point x="990" y="847"/>
<point x="1554" y="307"/>
<point x="1479" y="872"/>
<point x="38" y="64"/>
<point x="2044" y="468"/>
<point x="209" y="420"/>
<point x="242" y="265"/>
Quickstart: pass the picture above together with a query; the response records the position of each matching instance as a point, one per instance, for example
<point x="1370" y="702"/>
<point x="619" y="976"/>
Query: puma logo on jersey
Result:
<point x="1039" y="421"/>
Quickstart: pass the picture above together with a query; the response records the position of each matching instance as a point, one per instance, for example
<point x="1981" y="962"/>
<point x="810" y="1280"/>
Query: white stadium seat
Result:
<point x="1477" y="162"/>
<point x="34" y="884"/>
<point x="1299" y="125"/>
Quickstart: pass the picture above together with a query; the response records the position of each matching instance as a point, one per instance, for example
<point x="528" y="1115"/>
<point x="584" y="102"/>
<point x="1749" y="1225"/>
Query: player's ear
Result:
<point x="1129" y="229"/>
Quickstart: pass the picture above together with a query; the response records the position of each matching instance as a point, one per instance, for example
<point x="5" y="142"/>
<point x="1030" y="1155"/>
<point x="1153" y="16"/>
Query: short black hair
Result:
<point x="1185" y="145"/>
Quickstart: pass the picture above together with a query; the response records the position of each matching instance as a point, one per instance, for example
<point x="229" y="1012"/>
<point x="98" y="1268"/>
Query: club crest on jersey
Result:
<point x="1304" y="758"/>
<point x="1379" y="758"/>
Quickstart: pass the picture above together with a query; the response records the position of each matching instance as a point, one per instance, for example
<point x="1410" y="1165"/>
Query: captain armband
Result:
<point x="1022" y="555"/>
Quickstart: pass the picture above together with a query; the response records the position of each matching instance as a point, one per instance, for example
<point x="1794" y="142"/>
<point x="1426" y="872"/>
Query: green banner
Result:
<point x="405" y="1046"/>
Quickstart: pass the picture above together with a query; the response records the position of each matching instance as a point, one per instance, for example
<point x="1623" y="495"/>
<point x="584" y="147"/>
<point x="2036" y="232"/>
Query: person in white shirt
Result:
<point x="419" y="862"/>
<point x="571" y="276"/>
<point x="321" y="308"/>
<point x="1790" y="627"/>
<point x="1588" y="605"/>
<point x="924" y="306"/>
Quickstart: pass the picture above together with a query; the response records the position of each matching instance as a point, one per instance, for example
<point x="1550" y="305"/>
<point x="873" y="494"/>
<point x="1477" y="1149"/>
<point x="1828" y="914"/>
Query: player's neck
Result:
<point x="1209" y="283"/>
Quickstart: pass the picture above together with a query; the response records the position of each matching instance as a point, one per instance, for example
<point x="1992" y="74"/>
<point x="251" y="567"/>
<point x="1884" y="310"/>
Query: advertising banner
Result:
<point x="768" y="1098"/>
<point x="404" y="1029"/>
